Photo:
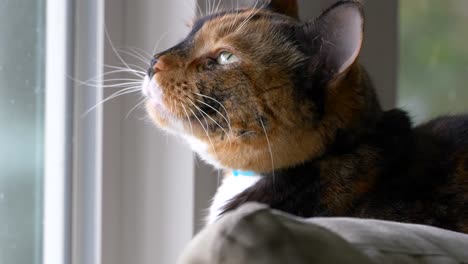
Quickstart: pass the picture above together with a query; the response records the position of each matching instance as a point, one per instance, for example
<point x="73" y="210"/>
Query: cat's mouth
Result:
<point x="155" y="104"/>
<point x="152" y="91"/>
<point x="162" y="109"/>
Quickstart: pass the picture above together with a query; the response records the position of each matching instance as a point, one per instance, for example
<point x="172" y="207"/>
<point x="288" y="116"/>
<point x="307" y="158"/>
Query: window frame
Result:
<point x="58" y="132"/>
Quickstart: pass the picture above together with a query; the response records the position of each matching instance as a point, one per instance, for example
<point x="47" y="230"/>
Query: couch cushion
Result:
<point x="255" y="234"/>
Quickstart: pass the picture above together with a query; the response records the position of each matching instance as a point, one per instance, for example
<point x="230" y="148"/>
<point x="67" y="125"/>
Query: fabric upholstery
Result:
<point x="255" y="234"/>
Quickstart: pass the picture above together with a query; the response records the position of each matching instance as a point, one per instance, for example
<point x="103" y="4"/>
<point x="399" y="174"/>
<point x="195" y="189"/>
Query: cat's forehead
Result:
<point x="237" y="31"/>
<point x="234" y="20"/>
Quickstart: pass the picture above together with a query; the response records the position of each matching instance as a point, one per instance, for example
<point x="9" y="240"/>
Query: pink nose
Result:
<point x="159" y="66"/>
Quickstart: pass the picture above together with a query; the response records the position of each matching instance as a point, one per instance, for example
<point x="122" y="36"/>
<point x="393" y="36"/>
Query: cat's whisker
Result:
<point x="143" y="53"/>
<point x="98" y="77"/>
<point x="114" y="95"/>
<point x="118" y="70"/>
<point x="138" y="73"/>
<point x="123" y="79"/>
<point x="211" y="98"/>
<point x="136" y="106"/>
<point x="214" y="109"/>
<point x="252" y="11"/>
<point x="217" y="7"/>
<point x="206" y="132"/>
<point x="112" y="72"/>
<point x="133" y="55"/>
<point x="98" y="84"/>
<point x="156" y="45"/>
<point x="113" y="80"/>
<point x="246" y="134"/>
<point x="115" y="85"/>
<point x="251" y="16"/>
<point x="140" y="69"/>
<point x="234" y="21"/>
<point x="214" y="121"/>
<point x="115" y="50"/>
<point x="188" y="117"/>
<point x="112" y="86"/>
<point x="200" y="12"/>
<point x="269" y="149"/>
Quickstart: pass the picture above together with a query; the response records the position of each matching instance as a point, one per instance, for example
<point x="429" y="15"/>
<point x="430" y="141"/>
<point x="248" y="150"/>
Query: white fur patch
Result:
<point x="230" y="187"/>
<point x="201" y="148"/>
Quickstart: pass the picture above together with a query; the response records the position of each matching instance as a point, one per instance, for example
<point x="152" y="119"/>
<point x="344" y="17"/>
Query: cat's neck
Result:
<point x="345" y="170"/>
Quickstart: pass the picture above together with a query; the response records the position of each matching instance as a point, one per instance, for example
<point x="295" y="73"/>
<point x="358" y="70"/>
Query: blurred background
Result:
<point x="433" y="65"/>
<point x="107" y="187"/>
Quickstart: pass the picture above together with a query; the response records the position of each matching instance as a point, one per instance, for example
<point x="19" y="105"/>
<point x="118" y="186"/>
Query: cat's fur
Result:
<point x="300" y="110"/>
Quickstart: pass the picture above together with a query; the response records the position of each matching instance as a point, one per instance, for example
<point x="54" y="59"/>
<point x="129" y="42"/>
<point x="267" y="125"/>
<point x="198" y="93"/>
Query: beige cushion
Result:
<point x="255" y="234"/>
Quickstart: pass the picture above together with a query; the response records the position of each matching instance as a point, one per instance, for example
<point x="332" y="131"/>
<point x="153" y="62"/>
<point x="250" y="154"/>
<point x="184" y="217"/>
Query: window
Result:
<point x="433" y="57"/>
<point x="21" y="130"/>
<point x="109" y="188"/>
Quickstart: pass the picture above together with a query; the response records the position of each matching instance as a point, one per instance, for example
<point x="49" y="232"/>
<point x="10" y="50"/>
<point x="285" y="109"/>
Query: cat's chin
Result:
<point x="163" y="118"/>
<point x="203" y="151"/>
<point x="156" y="109"/>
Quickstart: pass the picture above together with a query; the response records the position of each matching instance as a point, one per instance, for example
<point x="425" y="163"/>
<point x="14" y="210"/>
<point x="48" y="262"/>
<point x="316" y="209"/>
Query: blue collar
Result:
<point x="238" y="173"/>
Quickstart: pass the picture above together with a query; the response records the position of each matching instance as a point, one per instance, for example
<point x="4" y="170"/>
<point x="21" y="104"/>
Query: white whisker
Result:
<point x="199" y="8"/>
<point x="122" y="80"/>
<point x="214" y="121"/>
<point x="114" y="50"/>
<point x="115" y="95"/>
<point x="217" y="7"/>
<point x="145" y="54"/>
<point x="188" y="118"/>
<point x="211" y="98"/>
<point x="133" y="55"/>
<point x="120" y="85"/>
<point x="250" y="16"/>
<point x="113" y="72"/>
<point x="129" y="70"/>
<point x="98" y="84"/>
<point x="269" y="148"/>
<point x="225" y="119"/>
<point x="156" y="45"/>
<point x="136" y="106"/>
<point x="206" y="132"/>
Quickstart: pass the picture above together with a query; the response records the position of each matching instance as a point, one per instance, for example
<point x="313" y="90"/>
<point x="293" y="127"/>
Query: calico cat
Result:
<point x="257" y="90"/>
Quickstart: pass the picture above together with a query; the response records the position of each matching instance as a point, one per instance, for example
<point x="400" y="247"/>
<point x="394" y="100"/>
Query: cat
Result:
<point x="286" y="107"/>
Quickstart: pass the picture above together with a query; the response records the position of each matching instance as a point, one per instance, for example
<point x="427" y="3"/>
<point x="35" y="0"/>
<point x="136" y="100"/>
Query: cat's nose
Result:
<point x="157" y="65"/>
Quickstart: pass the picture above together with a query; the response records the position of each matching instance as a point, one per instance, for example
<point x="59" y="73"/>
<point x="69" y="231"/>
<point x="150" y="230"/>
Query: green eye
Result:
<point x="226" y="58"/>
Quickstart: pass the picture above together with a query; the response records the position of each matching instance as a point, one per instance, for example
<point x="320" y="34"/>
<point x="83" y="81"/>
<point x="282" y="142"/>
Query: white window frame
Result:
<point x="57" y="169"/>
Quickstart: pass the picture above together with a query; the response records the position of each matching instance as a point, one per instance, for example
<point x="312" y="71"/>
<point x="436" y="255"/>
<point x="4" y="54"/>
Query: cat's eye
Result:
<point x="226" y="58"/>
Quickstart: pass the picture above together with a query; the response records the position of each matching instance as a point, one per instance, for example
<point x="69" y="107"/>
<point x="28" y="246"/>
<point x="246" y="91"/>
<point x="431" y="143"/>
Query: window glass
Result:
<point x="21" y="129"/>
<point x="433" y="78"/>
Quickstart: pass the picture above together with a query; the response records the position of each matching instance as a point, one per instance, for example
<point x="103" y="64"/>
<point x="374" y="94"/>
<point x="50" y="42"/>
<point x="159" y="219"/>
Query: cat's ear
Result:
<point x="285" y="7"/>
<point x="339" y="34"/>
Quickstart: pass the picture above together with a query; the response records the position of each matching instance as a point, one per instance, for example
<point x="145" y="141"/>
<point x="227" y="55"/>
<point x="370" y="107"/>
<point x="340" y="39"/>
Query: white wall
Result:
<point x="157" y="171"/>
<point x="148" y="185"/>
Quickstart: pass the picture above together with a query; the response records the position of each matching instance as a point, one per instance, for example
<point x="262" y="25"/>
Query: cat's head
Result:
<point x="255" y="88"/>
